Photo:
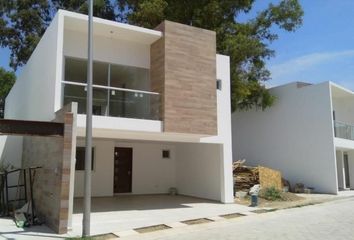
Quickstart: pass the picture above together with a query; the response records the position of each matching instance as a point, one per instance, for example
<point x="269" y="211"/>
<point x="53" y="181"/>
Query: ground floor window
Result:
<point x="80" y="158"/>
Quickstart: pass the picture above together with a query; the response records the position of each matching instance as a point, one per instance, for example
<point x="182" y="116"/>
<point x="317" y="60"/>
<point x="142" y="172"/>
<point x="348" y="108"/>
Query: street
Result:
<point x="331" y="220"/>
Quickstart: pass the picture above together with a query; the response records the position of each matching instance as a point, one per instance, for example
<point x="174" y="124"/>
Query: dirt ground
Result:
<point x="290" y="200"/>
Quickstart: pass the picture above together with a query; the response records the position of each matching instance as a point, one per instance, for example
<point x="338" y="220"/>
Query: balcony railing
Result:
<point x="343" y="130"/>
<point x="114" y="102"/>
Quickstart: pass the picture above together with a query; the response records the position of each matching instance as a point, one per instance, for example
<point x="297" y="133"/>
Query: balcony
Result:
<point x="118" y="90"/>
<point x="114" y="102"/>
<point x="343" y="130"/>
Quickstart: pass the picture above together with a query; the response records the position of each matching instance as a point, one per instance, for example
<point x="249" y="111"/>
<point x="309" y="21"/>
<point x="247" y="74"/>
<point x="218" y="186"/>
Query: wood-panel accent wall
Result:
<point x="183" y="71"/>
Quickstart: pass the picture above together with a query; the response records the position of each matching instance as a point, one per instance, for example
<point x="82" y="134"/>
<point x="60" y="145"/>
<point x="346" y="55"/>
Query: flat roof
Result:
<point x="102" y="27"/>
<point x="339" y="91"/>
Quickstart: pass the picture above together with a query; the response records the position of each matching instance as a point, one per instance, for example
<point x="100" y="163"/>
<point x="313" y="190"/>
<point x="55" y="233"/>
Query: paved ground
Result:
<point x="332" y="220"/>
<point x="126" y="212"/>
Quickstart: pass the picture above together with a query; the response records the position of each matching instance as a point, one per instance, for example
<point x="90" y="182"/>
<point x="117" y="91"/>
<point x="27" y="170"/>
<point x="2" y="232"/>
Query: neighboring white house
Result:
<point x="161" y="103"/>
<point x="308" y="135"/>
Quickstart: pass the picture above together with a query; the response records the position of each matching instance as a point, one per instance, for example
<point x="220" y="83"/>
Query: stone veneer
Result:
<point x="52" y="193"/>
<point x="183" y="71"/>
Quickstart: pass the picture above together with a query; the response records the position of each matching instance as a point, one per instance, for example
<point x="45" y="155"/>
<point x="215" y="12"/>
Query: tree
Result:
<point x="7" y="80"/>
<point x="246" y="42"/>
<point x="23" y="22"/>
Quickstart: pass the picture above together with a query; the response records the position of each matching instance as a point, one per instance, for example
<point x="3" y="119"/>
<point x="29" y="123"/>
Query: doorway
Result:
<point x="346" y="170"/>
<point x="123" y="159"/>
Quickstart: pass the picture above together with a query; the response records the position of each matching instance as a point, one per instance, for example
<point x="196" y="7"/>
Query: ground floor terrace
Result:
<point x="345" y="168"/>
<point x="344" y="159"/>
<point x="151" y="167"/>
<point x="143" y="178"/>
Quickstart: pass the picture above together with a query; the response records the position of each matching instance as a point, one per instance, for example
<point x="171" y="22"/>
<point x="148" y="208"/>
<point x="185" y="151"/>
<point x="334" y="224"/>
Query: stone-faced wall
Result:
<point x="52" y="182"/>
<point x="183" y="71"/>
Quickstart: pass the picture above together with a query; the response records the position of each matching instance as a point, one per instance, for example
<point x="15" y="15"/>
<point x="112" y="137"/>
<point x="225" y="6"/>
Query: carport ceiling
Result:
<point x="31" y="128"/>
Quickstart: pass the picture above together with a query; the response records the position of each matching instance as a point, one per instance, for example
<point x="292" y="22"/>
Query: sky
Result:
<point x="322" y="49"/>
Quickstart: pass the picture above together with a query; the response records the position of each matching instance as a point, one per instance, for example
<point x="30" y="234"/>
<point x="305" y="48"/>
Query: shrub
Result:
<point x="271" y="194"/>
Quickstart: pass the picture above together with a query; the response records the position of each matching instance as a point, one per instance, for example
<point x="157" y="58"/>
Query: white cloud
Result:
<point x="296" y="65"/>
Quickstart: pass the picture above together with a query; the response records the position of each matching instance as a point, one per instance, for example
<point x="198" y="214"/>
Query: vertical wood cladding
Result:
<point x="183" y="71"/>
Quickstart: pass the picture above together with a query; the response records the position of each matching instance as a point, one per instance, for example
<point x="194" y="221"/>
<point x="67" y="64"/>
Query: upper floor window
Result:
<point x="118" y="91"/>
<point x="106" y="74"/>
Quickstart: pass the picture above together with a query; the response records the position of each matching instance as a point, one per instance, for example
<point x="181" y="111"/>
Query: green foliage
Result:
<point x="271" y="194"/>
<point x="246" y="42"/>
<point x="23" y="22"/>
<point x="7" y="80"/>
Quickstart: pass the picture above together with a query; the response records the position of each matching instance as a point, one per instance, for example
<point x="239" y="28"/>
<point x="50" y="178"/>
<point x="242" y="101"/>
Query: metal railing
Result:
<point x="114" y="102"/>
<point x="343" y="130"/>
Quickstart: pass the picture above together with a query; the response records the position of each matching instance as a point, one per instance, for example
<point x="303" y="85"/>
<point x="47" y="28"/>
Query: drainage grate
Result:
<point x="152" y="228"/>
<point x="259" y="211"/>
<point x="197" y="221"/>
<point x="232" y="215"/>
<point x="108" y="236"/>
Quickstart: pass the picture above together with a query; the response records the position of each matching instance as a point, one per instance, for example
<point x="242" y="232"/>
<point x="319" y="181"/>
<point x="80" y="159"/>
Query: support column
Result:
<point x="340" y="169"/>
<point x="351" y="169"/>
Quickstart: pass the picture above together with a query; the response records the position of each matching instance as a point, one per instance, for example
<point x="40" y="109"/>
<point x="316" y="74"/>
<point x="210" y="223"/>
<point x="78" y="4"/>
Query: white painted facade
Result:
<point x="296" y="135"/>
<point x="198" y="166"/>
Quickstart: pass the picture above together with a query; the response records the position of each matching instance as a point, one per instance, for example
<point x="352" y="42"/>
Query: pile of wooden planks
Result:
<point x="246" y="177"/>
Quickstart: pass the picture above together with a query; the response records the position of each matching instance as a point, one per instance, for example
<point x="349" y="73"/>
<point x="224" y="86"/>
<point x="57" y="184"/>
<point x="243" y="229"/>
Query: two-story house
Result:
<point x="161" y="105"/>
<point x="308" y="135"/>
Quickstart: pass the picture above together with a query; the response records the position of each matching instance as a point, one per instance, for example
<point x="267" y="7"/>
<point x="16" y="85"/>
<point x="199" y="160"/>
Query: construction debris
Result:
<point x="299" y="188"/>
<point x="245" y="177"/>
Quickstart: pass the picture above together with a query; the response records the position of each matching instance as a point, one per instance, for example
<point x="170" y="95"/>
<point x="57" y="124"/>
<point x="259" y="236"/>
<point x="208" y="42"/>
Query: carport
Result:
<point x="49" y="145"/>
<point x="127" y="212"/>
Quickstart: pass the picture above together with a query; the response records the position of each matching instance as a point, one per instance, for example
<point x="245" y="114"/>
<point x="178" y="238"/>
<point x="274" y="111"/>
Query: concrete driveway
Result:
<point x="332" y="220"/>
<point x="126" y="212"/>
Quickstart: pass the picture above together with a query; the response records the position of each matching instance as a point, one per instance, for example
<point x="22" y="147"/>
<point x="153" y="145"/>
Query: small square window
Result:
<point x="80" y="158"/>
<point x="218" y="84"/>
<point x="165" y="153"/>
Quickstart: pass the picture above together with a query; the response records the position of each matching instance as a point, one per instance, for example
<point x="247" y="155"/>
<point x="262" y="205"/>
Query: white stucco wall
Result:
<point x="11" y="150"/>
<point x="199" y="171"/>
<point x="126" y="124"/>
<point x="151" y="173"/>
<point x="33" y="95"/>
<point x="107" y="50"/>
<point x="294" y="136"/>
<point x="224" y="128"/>
<point x="344" y="109"/>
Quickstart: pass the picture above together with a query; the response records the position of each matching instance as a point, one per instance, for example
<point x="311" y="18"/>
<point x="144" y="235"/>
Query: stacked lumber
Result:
<point x="246" y="177"/>
<point x="270" y="178"/>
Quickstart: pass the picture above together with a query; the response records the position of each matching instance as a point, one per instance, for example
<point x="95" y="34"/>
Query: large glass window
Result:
<point x="130" y="77"/>
<point x="76" y="71"/>
<point x="74" y="93"/>
<point x="109" y="99"/>
<point x="100" y="73"/>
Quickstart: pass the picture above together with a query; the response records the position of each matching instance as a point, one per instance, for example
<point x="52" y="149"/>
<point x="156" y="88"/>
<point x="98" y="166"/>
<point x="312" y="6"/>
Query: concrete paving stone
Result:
<point x="126" y="233"/>
<point x="176" y="224"/>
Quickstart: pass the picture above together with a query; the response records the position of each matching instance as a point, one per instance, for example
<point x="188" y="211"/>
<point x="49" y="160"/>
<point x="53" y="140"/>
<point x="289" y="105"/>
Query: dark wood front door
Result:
<point x="123" y="158"/>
